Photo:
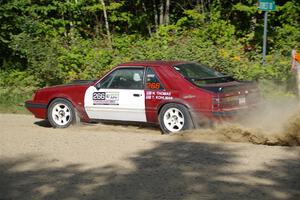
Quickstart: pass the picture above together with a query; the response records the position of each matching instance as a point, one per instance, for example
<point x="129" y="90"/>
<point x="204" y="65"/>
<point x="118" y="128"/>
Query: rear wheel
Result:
<point x="174" y="118"/>
<point x="61" y="113"/>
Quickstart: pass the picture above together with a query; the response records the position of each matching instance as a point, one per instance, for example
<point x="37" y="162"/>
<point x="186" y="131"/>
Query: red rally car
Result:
<point x="177" y="95"/>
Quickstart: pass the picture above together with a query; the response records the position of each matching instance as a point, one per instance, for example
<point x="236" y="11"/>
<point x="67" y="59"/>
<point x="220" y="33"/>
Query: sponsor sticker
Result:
<point x="158" y="95"/>
<point x="106" y="98"/>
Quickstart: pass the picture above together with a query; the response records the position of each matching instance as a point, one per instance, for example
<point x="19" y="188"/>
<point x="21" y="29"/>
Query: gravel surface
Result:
<point x="129" y="162"/>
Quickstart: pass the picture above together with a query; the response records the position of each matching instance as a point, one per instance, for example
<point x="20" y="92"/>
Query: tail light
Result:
<point x="216" y="103"/>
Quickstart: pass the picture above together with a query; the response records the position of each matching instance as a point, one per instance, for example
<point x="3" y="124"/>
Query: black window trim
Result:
<point x="123" y="67"/>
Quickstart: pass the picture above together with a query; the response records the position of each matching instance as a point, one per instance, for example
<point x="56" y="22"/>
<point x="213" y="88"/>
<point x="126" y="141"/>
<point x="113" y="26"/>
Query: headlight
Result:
<point x="34" y="95"/>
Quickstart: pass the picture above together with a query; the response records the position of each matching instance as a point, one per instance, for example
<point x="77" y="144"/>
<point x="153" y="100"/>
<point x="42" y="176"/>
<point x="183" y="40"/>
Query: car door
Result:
<point x="118" y="96"/>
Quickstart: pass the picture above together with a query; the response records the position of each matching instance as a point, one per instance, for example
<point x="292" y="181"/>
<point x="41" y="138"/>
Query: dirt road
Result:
<point x="128" y="162"/>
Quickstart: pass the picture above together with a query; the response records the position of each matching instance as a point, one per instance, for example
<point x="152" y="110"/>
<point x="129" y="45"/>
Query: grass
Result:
<point x="12" y="99"/>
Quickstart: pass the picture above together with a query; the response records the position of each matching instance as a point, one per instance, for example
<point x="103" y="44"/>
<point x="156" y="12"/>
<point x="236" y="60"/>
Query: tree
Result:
<point x="106" y="22"/>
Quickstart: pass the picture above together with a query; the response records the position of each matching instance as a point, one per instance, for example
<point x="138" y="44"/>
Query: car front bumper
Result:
<point x="38" y="109"/>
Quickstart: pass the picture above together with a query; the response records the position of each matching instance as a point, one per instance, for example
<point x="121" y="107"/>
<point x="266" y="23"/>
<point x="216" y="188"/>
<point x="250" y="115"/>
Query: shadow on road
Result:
<point x="108" y="124"/>
<point x="171" y="170"/>
<point x="43" y="123"/>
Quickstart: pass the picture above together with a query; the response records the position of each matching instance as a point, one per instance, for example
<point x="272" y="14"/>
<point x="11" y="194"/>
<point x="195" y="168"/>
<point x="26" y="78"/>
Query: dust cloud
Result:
<point x="272" y="123"/>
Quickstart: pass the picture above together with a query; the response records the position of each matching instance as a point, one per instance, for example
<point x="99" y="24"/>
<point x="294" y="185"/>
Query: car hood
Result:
<point x="73" y="84"/>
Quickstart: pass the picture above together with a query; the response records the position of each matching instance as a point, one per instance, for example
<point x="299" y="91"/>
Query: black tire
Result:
<point x="174" y="118"/>
<point x="61" y="113"/>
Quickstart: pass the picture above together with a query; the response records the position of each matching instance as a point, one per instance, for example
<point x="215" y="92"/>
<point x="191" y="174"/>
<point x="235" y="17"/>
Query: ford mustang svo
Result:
<point x="177" y="95"/>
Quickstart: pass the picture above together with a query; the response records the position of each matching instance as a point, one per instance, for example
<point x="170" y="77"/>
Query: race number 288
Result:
<point x="153" y="85"/>
<point x="99" y="96"/>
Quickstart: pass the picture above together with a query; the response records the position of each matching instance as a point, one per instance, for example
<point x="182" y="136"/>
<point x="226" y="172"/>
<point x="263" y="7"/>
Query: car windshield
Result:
<point x="200" y="74"/>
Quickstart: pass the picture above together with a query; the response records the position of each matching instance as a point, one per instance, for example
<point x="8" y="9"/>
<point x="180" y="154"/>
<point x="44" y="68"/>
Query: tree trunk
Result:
<point x="155" y="15"/>
<point x="209" y="9"/>
<point x="65" y="27"/>
<point x="106" y="23"/>
<point x="253" y="23"/>
<point x="167" y="12"/>
<point x="148" y="24"/>
<point x="203" y="9"/>
<point x="98" y="26"/>
<point x="161" y="13"/>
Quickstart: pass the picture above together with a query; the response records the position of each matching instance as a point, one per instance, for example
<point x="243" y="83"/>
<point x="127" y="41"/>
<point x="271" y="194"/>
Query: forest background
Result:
<point x="49" y="42"/>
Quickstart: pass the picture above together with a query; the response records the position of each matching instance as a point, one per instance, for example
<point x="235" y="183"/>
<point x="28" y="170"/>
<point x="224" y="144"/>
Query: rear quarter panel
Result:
<point x="177" y="90"/>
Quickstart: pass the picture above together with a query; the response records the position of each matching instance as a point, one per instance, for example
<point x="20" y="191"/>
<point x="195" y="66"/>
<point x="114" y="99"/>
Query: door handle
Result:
<point x="137" y="95"/>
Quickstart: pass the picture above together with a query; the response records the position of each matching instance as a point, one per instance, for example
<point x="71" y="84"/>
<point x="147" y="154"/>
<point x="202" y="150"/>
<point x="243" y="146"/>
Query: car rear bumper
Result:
<point x="37" y="109"/>
<point x="222" y="115"/>
<point x="232" y="112"/>
<point x="225" y="113"/>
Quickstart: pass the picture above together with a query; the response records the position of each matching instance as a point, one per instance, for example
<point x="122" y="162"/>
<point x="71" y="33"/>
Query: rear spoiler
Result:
<point x="221" y="89"/>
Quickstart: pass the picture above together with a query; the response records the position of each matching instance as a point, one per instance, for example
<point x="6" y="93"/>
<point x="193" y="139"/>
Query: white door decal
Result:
<point x="115" y="104"/>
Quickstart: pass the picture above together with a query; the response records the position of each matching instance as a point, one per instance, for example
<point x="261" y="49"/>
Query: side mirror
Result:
<point x="97" y="86"/>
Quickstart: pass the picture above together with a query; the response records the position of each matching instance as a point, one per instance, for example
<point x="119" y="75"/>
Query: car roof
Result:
<point x="157" y="62"/>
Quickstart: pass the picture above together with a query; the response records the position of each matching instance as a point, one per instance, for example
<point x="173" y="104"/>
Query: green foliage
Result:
<point x="249" y="10"/>
<point x="272" y="90"/>
<point x="12" y="99"/>
<point x="83" y="59"/>
<point x="192" y="18"/>
<point x="16" y="78"/>
<point x="287" y="38"/>
<point x="15" y="87"/>
<point x="41" y="56"/>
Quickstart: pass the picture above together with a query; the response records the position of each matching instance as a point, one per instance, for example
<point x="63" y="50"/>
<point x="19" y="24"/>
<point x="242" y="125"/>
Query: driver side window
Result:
<point x="124" y="78"/>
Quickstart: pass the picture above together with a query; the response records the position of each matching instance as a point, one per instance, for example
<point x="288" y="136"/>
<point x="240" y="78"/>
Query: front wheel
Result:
<point x="174" y="118"/>
<point x="61" y="113"/>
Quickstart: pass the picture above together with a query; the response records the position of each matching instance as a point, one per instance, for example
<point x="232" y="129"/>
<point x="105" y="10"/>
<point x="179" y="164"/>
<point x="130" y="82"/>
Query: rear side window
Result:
<point x="152" y="82"/>
<point x="201" y="75"/>
<point x="195" y="70"/>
